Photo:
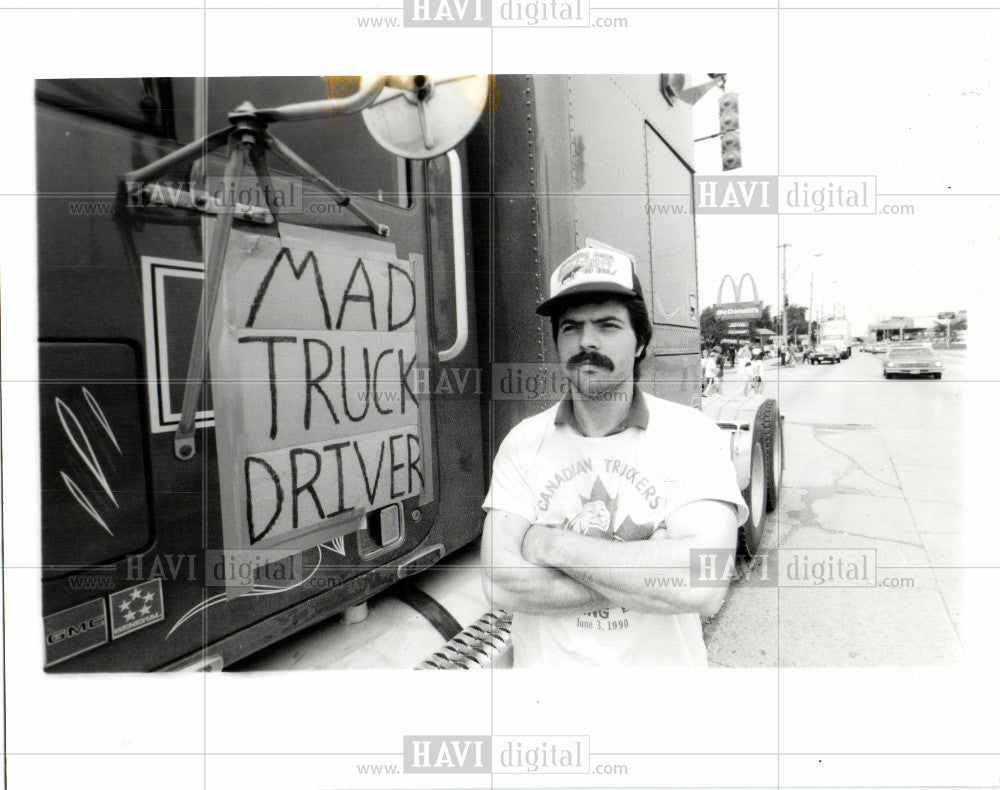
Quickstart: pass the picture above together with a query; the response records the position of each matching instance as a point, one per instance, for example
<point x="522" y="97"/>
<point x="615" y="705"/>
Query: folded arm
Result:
<point x="646" y="575"/>
<point x="513" y="583"/>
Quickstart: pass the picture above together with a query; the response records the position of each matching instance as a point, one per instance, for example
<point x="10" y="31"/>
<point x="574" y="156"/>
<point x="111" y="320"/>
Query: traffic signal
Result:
<point x="729" y="126"/>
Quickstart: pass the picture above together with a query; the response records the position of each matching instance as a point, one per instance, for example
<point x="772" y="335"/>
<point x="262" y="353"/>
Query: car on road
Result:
<point x="824" y="353"/>
<point x="915" y="360"/>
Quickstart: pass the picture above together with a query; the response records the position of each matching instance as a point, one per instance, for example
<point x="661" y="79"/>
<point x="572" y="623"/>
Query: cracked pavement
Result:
<point x="871" y="466"/>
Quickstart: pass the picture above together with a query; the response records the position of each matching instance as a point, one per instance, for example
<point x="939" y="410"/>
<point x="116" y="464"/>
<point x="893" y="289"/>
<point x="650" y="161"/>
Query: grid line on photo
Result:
<point x="201" y="125"/>
<point x="380" y="9"/>
<point x="779" y="260"/>
<point x="592" y="754"/>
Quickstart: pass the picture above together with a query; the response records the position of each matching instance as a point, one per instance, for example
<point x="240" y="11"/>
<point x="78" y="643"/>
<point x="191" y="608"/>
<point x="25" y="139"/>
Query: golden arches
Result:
<point x="737" y="289"/>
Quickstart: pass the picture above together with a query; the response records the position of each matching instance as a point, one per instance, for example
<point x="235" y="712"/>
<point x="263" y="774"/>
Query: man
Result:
<point x="720" y="362"/>
<point x="743" y="359"/>
<point x="596" y="504"/>
<point x="708" y="373"/>
<point x="756" y="369"/>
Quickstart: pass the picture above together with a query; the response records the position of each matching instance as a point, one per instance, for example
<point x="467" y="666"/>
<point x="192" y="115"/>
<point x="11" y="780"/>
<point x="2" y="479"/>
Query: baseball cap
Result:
<point x="590" y="270"/>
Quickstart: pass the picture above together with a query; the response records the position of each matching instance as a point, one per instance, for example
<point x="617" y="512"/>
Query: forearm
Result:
<point x="620" y="587"/>
<point x="648" y="576"/>
<point x="537" y="590"/>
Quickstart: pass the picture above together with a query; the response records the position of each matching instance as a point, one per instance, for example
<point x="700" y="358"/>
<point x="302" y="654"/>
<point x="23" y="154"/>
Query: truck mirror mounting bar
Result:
<point x="248" y="138"/>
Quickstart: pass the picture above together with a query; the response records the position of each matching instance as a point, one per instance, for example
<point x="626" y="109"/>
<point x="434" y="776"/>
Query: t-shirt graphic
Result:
<point x="597" y="517"/>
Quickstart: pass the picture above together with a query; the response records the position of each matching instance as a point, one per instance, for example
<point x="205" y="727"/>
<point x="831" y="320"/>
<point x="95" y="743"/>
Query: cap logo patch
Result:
<point x="587" y="262"/>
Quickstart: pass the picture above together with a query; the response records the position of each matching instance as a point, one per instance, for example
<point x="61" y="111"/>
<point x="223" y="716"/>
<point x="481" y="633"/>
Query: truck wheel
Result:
<point x="774" y="451"/>
<point x="755" y="495"/>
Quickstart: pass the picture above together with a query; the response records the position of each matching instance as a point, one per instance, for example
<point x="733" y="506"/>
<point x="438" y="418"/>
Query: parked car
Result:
<point x="912" y="360"/>
<point x="825" y="352"/>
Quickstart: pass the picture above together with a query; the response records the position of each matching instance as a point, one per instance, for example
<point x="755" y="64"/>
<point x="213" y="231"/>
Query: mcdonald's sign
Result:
<point x="738" y="310"/>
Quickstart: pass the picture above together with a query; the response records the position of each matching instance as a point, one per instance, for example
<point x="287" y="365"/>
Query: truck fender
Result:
<point x="737" y="416"/>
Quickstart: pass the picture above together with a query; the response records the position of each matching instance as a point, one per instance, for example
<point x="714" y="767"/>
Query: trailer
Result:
<point x="836" y="333"/>
<point x="284" y="324"/>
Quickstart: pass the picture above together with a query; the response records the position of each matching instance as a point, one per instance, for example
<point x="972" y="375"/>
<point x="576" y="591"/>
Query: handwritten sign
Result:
<point x="315" y="342"/>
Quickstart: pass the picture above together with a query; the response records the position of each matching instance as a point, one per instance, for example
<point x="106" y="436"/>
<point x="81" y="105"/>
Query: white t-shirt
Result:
<point x="618" y="487"/>
<point x="708" y="368"/>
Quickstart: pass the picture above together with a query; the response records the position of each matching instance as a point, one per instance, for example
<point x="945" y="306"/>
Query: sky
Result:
<point x="928" y="134"/>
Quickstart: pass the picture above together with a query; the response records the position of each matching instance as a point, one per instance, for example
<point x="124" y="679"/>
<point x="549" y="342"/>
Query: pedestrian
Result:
<point x="720" y="365"/>
<point x="709" y="373"/>
<point x="756" y="375"/>
<point x="743" y="365"/>
<point x="598" y="497"/>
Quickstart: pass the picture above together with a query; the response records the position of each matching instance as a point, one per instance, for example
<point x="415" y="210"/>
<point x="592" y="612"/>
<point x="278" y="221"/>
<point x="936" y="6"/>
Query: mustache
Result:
<point x="591" y="358"/>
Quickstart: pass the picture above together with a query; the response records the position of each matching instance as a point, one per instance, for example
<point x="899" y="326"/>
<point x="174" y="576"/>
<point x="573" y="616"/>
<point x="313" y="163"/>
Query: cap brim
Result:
<point x="551" y="306"/>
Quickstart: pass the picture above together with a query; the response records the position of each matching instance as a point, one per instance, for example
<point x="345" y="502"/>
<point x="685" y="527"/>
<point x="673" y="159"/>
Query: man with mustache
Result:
<point x="596" y="504"/>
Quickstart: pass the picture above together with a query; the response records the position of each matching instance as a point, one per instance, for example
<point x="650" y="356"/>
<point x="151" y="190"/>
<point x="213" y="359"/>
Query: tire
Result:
<point x="767" y="463"/>
<point x="755" y="495"/>
<point x="774" y="452"/>
<point x="936" y="376"/>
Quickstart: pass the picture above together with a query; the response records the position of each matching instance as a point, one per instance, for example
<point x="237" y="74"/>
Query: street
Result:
<point x="872" y="466"/>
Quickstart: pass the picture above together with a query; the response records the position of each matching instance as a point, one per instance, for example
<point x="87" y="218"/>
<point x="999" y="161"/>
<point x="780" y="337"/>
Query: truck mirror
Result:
<point x="421" y="116"/>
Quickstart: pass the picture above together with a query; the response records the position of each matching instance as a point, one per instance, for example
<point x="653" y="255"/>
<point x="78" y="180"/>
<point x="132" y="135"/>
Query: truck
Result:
<point x="836" y="333"/>
<point x="284" y="324"/>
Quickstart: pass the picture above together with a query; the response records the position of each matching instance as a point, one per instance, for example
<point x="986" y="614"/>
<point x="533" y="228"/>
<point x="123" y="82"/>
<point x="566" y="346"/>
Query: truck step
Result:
<point x="484" y="643"/>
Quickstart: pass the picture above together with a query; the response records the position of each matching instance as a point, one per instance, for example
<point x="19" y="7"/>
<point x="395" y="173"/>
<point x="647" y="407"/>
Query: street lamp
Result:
<point x="812" y="280"/>
<point x="784" y="290"/>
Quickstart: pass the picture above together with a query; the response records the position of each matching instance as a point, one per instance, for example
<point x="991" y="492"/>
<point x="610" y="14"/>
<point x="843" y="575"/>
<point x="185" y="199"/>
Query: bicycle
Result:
<point x="754" y="386"/>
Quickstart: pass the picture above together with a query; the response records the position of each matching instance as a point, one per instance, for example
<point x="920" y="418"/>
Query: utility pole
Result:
<point x="812" y="277"/>
<point x="784" y="291"/>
